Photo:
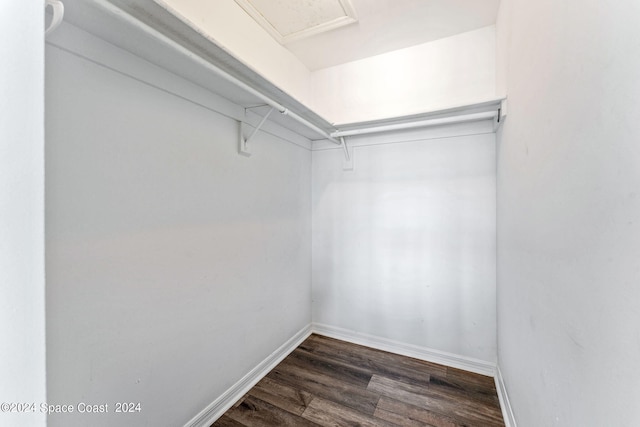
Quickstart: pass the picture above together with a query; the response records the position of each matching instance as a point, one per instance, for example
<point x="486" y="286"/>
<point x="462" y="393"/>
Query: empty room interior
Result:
<point x="327" y="212"/>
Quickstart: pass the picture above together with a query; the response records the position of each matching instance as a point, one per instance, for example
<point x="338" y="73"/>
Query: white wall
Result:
<point x="503" y="36"/>
<point x="451" y="71"/>
<point x="174" y="265"/>
<point x="22" y="336"/>
<point x="568" y="214"/>
<point x="229" y="26"/>
<point x="404" y="245"/>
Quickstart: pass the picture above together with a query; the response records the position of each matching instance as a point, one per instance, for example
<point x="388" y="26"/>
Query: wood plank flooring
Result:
<point x="327" y="382"/>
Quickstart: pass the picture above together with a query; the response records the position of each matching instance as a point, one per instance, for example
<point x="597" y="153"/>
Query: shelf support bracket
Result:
<point x="242" y="147"/>
<point x="58" y="14"/>
<point x="501" y="115"/>
<point x="347" y="165"/>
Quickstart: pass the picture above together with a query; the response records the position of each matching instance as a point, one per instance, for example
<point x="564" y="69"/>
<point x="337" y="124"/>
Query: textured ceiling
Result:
<point x="288" y="20"/>
<point x="382" y="25"/>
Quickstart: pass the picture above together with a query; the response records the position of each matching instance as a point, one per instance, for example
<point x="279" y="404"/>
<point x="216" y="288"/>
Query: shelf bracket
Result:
<point x="501" y="115"/>
<point x="242" y="146"/>
<point x="58" y="14"/>
<point x="347" y="165"/>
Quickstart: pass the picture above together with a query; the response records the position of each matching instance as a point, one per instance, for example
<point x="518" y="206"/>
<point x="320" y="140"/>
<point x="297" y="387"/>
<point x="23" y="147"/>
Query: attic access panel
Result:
<point x="290" y="20"/>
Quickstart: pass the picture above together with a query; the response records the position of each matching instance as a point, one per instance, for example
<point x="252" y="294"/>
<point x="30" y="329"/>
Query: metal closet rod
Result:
<point x="114" y="10"/>
<point x="418" y="124"/>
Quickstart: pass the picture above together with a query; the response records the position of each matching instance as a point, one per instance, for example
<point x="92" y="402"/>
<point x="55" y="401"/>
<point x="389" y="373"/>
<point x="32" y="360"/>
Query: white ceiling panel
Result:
<point x="289" y="20"/>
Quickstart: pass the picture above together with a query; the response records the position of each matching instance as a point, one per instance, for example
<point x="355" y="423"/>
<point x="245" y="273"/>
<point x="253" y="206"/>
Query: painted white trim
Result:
<point x="321" y="28"/>
<point x="505" y="405"/>
<point x="417" y="352"/>
<point x="219" y="406"/>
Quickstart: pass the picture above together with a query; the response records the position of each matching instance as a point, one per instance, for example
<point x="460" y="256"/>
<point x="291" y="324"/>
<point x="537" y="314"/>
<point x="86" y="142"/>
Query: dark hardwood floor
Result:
<point x="327" y="382"/>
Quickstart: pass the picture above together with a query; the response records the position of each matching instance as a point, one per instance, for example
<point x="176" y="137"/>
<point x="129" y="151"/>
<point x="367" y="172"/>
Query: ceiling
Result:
<point x="288" y="20"/>
<point x="381" y="26"/>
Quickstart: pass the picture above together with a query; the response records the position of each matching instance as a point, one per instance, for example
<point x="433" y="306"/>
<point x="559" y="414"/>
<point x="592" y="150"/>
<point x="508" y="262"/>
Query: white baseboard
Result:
<point x="423" y="353"/>
<point x="219" y="406"/>
<point x="507" y="412"/>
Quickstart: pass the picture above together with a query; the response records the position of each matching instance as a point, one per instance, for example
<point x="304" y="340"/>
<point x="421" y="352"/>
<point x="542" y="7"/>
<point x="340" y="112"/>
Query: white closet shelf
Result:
<point x="489" y="109"/>
<point x="150" y="32"/>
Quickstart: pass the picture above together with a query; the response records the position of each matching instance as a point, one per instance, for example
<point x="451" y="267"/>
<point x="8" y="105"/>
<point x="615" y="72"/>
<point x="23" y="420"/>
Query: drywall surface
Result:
<point x="174" y="265"/>
<point x="568" y="214"/>
<point x="404" y="245"/>
<point x="22" y="311"/>
<point x="502" y="47"/>
<point x="430" y="76"/>
<point x="230" y="27"/>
